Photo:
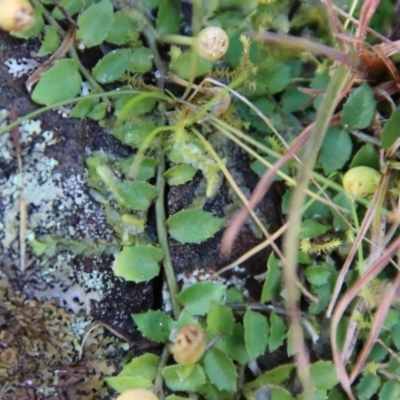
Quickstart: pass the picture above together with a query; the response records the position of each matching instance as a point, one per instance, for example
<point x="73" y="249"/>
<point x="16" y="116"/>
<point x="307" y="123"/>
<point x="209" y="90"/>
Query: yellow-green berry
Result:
<point x="361" y="181"/>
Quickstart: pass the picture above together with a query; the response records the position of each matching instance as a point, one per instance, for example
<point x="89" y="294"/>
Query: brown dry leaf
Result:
<point x="58" y="54"/>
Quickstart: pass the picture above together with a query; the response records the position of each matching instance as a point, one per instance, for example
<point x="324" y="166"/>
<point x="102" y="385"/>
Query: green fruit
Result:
<point x="361" y="181"/>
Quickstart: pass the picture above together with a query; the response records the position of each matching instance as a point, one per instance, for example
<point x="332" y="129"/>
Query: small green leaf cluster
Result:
<point x="235" y="339"/>
<point x="382" y="361"/>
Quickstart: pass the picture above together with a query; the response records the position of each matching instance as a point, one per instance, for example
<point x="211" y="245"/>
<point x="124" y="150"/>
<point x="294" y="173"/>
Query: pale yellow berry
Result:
<point x="212" y="43"/>
<point x="361" y="181"/>
<point x="189" y="346"/>
<point x="16" y="15"/>
<point x="137" y="394"/>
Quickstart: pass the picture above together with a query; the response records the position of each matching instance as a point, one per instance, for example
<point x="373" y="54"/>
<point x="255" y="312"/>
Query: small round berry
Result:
<point x="212" y="43"/>
<point x="189" y="346"/>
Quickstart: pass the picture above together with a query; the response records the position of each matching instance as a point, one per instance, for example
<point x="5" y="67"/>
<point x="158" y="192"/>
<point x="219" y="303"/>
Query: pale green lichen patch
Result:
<point x="45" y="325"/>
<point x="52" y="200"/>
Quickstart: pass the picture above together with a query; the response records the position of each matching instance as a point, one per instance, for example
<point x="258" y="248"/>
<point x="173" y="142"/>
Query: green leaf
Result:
<point x="129" y="107"/>
<point x="368" y="386"/>
<point x="59" y="83"/>
<point x="94" y="23"/>
<point x="359" y="110"/>
<point x="138" y="263"/>
<point x="197" y="298"/>
<point x="275" y="376"/>
<point x="193" y="225"/>
<point x="318" y="275"/>
<point x="294" y="100"/>
<point x="219" y="319"/>
<point x="276" y="79"/>
<point x="137" y="195"/>
<point x="180" y="174"/>
<point x="396" y="335"/>
<point x="72" y="7"/>
<point x="256" y="332"/>
<point x="133" y="133"/>
<point x="233" y="345"/>
<point x="182" y="65"/>
<point x="155" y="325"/>
<point x="390" y="391"/>
<point x="167" y="20"/>
<point x="391" y="130"/>
<point x="121" y="29"/>
<point x="272" y="281"/>
<point x="311" y="229"/>
<point x="147" y="168"/>
<point x="234" y="295"/>
<point x="323" y="375"/>
<point x="337" y="394"/>
<point x="184" y="378"/>
<point x="220" y="370"/>
<point x="185" y="318"/>
<point x="277" y="332"/>
<point x="122" y="383"/>
<point x="141" y="60"/>
<point x="173" y="397"/>
<point x="280" y="394"/>
<point x="392" y="317"/>
<point x="98" y="112"/>
<point x="336" y="150"/>
<point x="367" y="156"/>
<point x="83" y="107"/>
<point x="50" y="41"/>
<point x="145" y="366"/>
<point x="314" y="394"/>
<point x="377" y="354"/>
<point x="112" y="66"/>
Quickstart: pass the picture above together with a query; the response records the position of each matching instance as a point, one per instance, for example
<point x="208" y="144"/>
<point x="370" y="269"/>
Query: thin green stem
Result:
<point x="357" y="227"/>
<point x="158" y="382"/>
<point x="113" y="93"/>
<point x="232" y="132"/>
<point x="176" y="39"/>
<point x="163" y="239"/>
<point x="145" y="145"/>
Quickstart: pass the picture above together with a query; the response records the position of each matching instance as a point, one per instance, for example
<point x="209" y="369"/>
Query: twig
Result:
<point x="15" y="133"/>
<point x="158" y="382"/>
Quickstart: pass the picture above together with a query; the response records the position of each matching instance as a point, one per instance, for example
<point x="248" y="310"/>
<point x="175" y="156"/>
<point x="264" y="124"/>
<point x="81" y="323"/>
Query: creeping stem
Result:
<point x="162" y="237"/>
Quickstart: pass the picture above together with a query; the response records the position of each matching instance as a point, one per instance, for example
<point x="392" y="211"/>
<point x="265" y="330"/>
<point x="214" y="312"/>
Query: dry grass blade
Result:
<point x="301" y="44"/>
<point x="334" y="23"/>
<point x="367" y="11"/>
<point x="334" y="93"/>
<point x="260" y="190"/>
<point x="15" y="133"/>
<point x="58" y="54"/>
<point x="367" y="221"/>
<point x="379" y="319"/>
<point x="345" y="302"/>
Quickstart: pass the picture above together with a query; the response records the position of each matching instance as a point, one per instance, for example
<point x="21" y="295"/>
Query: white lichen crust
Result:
<point x="52" y="200"/>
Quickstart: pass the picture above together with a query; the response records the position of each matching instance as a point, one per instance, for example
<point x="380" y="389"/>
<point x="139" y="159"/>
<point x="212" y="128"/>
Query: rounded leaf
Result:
<point x="138" y="263"/>
<point x="94" y="23"/>
<point x="193" y="225"/>
<point x="59" y="83"/>
<point x="112" y="66"/>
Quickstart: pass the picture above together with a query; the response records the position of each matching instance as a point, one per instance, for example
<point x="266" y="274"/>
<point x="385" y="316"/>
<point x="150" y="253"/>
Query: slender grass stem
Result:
<point x="113" y="93"/>
<point x="163" y="239"/>
<point x="291" y="238"/>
